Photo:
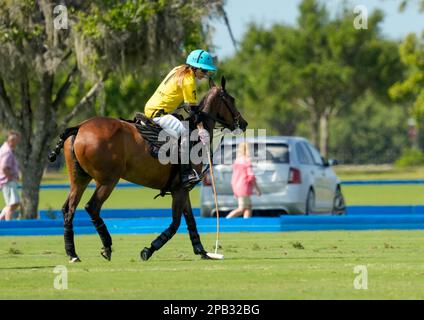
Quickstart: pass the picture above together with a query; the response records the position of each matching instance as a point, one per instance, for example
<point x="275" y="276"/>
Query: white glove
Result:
<point x="204" y="136"/>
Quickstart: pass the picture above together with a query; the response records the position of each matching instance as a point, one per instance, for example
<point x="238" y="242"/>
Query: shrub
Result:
<point x="410" y="157"/>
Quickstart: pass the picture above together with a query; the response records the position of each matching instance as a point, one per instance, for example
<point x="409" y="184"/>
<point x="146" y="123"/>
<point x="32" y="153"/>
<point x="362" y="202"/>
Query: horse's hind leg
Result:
<point x="93" y="207"/>
<point x="178" y="202"/>
<point x="77" y="189"/>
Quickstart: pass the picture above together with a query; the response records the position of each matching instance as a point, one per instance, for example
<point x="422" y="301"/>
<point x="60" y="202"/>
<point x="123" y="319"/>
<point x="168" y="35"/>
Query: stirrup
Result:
<point x="196" y="174"/>
<point x="191" y="181"/>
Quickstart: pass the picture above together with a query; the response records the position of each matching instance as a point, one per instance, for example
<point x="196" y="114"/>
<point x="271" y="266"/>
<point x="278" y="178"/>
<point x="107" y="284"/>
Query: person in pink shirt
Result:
<point x="243" y="182"/>
<point x="9" y="175"/>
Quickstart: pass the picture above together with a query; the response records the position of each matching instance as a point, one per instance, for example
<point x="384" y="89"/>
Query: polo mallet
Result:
<point x="216" y="255"/>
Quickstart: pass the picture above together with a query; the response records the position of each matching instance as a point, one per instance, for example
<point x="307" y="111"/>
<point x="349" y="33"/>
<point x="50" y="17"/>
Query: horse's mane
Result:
<point x="208" y="97"/>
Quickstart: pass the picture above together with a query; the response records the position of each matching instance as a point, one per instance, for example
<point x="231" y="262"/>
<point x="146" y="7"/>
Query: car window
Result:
<point x="225" y="154"/>
<point x="303" y="155"/>
<point x="276" y="153"/>
<point x="315" y="155"/>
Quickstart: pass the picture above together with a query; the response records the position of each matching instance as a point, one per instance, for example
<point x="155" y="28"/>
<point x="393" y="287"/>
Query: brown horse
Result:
<point x="107" y="149"/>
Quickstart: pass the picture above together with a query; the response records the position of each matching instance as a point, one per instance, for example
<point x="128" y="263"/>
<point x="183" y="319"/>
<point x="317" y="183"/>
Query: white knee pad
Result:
<point x="171" y="125"/>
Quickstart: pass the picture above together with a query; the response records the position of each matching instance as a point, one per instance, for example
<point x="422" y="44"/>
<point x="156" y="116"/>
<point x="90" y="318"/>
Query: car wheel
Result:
<point x="205" y="212"/>
<point x="339" y="205"/>
<point x="310" y="202"/>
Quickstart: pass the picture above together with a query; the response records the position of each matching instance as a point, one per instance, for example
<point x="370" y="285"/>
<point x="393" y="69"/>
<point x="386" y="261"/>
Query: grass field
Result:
<point x="277" y="266"/>
<point x="294" y="265"/>
<point x="354" y="194"/>
<point x="344" y="172"/>
<point x="143" y="198"/>
<point x="376" y="172"/>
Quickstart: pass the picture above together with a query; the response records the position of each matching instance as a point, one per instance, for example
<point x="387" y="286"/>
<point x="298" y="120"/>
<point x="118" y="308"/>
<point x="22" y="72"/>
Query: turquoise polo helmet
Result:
<point x="201" y="59"/>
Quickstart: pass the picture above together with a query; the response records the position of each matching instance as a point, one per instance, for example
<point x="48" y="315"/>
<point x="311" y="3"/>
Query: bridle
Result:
<point x="235" y="115"/>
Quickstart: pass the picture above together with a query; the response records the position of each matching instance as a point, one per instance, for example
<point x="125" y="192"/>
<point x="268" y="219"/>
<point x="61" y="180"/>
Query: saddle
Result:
<point x="149" y="130"/>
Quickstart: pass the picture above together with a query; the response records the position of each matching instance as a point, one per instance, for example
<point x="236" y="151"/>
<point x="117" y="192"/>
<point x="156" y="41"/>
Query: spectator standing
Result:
<point x="9" y="176"/>
<point x="243" y="182"/>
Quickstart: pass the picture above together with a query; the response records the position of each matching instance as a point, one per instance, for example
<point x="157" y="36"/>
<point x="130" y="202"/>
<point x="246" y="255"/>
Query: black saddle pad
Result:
<point x="149" y="130"/>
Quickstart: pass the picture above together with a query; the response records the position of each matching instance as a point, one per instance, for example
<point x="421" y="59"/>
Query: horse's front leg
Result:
<point x="178" y="202"/>
<point x="192" y="229"/>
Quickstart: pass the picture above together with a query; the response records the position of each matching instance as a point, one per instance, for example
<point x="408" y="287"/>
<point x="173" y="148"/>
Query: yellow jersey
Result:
<point x="169" y="95"/>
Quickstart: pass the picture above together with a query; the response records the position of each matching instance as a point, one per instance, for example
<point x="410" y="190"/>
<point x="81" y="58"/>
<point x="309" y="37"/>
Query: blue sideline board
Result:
<point x="255" y="224"/>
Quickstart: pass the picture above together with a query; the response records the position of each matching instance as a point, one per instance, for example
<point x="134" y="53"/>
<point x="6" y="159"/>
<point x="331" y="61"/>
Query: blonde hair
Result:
<point x="181" y="72"/>
<point x="243" y="149"/>
<point x="13" y="135"/>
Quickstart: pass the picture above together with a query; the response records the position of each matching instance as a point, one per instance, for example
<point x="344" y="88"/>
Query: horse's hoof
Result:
<point x="145" y="254"/>
<point x="106" y="253"/>
<point x="205" y="256"/>
<point x="74" y="259"/>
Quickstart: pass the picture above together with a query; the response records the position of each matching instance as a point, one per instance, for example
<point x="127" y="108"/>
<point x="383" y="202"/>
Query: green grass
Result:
<point x="294" y="265"/>
<point x="384" y="194"/>
<point x="355" y="195"/>
<point x="376" y="172"/>
<point x="345" y="172"/>
<point x="143" y="197"/>
<point x="120" y="198"/>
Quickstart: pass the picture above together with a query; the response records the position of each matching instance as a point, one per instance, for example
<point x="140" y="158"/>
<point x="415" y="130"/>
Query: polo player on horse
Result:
<point x="178" y="90"/>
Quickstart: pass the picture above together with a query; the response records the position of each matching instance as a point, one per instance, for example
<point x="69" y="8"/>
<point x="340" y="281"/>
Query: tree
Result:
<point x="314" y="70"/>
<point x="256" y="73"/>
<point x="128" y="95"/>
<point x="410" y="89"/>
<point x="371" y="132"/>
<point x="49" y="54"/>
<point x="404" y="3"/>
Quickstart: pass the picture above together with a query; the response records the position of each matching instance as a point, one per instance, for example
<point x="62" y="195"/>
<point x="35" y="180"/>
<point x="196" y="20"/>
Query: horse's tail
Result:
<point x="62" y="138"/>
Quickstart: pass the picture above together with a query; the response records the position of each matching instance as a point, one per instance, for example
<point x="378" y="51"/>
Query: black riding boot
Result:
<point x="189" y="176"/>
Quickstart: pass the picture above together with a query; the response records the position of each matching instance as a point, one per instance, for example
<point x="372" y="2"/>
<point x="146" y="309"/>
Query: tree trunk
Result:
<point x="324" y="136"/>
<point x="315" y="129"/>
<point x="102" y="102"/>
<point x="31" y="179"/>
<point x="37" y="133"/>
<point x="34" y="161"/>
